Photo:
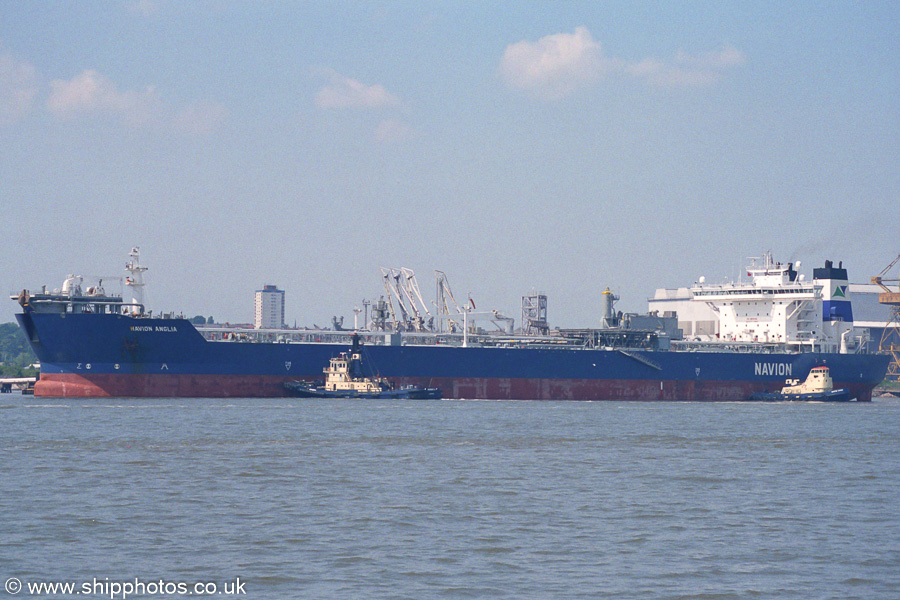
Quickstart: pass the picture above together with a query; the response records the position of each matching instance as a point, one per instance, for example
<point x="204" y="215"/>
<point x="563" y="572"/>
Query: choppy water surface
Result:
<point x="454" y="499"/>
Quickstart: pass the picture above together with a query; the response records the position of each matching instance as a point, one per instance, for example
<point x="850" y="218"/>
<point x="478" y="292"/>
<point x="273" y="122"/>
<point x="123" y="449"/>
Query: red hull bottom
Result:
<point x="264" y="386"/>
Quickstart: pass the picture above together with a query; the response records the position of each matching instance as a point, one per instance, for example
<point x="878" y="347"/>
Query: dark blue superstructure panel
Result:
<point x="837" y="310"/>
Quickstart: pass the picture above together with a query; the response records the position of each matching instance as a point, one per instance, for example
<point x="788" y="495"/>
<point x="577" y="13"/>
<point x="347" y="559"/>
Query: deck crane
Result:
<point x="464" y="316"/>
<point x="508" y="323"/>
<point x="411" y="291"/>
<point x="443" y="300"/>
<point x="890" y="338"/>
<point x="401" y="286"/>
<point x="386" y="276"/>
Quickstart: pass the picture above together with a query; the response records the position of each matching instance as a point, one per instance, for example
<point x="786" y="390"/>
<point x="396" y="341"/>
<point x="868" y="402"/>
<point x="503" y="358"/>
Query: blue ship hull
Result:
<point x="96" y="355"/>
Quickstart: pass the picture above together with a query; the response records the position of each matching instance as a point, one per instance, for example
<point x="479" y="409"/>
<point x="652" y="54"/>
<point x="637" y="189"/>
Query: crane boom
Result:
<point x="880" y="278"/>
<point x="890" y="337"/>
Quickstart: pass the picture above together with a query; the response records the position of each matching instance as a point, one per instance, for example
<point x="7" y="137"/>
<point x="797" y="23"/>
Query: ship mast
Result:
<point x="135" y="280"/>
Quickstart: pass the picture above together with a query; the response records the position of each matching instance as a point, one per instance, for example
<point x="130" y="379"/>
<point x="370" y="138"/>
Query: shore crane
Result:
<point x="890" y="338"/>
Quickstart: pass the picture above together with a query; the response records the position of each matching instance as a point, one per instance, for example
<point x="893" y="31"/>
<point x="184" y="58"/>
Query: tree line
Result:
<point x="16" y="356"/>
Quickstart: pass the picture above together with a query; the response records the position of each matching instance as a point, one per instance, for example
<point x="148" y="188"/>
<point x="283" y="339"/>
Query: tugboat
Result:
<point x="818" y="387"/>
<point x="343" y="379"/>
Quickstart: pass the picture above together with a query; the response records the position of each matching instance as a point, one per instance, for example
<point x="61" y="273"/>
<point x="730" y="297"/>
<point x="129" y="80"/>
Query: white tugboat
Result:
<point x="343" y="379"/>
<point x="818" y="387"/>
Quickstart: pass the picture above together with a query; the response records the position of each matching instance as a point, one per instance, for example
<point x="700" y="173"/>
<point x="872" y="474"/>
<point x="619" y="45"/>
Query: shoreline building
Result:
<point x="269" y="308"/>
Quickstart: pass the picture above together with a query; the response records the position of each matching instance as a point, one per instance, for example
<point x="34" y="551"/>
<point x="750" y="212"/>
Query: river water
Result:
<point x="285" y="498"/>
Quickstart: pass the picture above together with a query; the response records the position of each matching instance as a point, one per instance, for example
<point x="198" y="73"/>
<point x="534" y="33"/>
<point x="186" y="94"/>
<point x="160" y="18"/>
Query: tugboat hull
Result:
<point x="299" y="389"/>
<point x="829" y="396"/>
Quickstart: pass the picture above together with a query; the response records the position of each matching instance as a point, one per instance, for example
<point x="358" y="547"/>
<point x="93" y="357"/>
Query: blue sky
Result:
<point x="557" y="146"/>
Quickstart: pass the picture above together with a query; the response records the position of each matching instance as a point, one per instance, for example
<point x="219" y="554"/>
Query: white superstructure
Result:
<point x="339" y="376"/>
<point x="776" y="306"/>
<point x="818" y="381"/>
<point x="269" y="308"/>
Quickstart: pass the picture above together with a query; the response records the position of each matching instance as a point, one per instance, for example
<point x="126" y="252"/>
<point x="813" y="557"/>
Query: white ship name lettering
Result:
<point x="781" y="369"/>
<point x="163" y="328"/>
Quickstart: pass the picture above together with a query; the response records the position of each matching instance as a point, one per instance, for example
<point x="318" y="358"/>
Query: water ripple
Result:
<point x="457" y="499"/>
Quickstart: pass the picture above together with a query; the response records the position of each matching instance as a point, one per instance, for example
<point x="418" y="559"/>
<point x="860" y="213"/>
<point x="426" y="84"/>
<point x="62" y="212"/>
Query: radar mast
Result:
<point x="135" y="279"/>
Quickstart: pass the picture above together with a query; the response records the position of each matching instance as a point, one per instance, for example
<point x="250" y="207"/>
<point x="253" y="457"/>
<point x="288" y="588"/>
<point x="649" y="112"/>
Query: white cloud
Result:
<point x="91" y="92"/>
<point x="728" y="56"/>
<point x="18" y="87"/>
<point x="391" y="131"/>
<point x="687" y="70"/>
<point x="201" y="117"/>
<point x="344" y="92"/>
<point x="556" y="65"/>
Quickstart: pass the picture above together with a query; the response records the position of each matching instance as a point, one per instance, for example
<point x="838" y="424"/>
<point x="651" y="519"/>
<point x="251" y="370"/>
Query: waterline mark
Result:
<point x="122" y="590"/>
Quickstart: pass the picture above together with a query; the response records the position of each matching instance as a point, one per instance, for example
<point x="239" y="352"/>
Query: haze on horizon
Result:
<point x="561" y="147"/>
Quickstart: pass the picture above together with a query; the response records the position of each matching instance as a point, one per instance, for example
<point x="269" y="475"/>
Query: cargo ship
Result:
<point x="775" y="326"/>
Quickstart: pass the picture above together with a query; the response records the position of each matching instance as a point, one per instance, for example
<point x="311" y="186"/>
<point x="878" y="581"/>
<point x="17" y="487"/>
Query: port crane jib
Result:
<point x="890" y="337"/>
<point x="400" y="284"/>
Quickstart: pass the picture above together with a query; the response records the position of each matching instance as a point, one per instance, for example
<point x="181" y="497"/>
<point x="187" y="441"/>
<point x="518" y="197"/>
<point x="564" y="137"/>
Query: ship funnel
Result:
<point x="607" y="309"/>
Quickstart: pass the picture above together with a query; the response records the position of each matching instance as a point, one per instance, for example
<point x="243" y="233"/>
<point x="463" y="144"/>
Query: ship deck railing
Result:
<point x="732" y="289"/>
<point x="228" y="333"/>
<point x="247" y="334"/>
<point x="731" y="346"/>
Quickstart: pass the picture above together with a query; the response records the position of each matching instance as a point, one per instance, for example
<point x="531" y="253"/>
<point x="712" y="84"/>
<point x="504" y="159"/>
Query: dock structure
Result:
<point x="8" y="383"/>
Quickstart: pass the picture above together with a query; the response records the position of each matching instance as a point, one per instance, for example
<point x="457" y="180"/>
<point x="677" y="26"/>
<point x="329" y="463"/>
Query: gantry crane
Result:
<point x="890" y="339"/>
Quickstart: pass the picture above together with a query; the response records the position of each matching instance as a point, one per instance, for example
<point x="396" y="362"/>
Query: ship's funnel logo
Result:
<point x="287" y="365"/>
<point x="840" y="291"/>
